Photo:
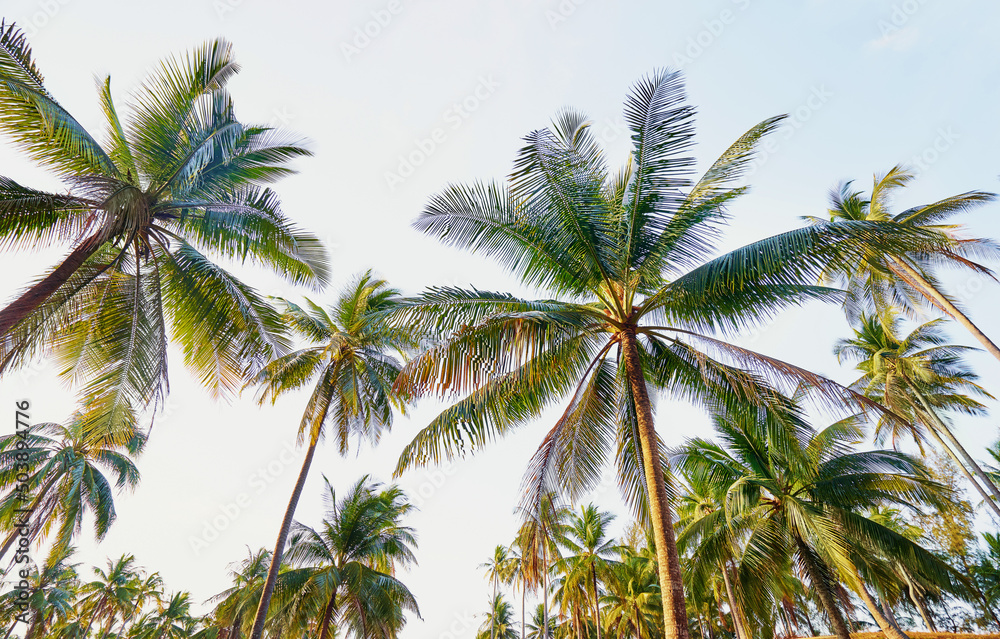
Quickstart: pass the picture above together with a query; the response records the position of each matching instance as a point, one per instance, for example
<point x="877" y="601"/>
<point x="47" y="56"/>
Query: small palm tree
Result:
<point x="635" y="302"/>
<point x="346" y="569"/>
<point x="797" y="492"/>
<point x="541" y="626"/>
<point x="110" y="595"/>
<point x="236" y="605"/>
<point x="499" y="569"/>
<point x="178" y="180"/>
<point x="588" y="555"/>
<point x="919" y="375"/>
<point x="499" y="622"/>
<point x="352" y="360"/>
<point x="632" y="601"/>
<point x="71" y="472"/>
<point x="884" y="281"/>
<point x="52" y="591"/>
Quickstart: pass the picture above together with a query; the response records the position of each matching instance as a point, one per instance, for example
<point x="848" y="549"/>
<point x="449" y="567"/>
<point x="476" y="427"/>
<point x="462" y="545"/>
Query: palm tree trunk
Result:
<point x="279" y="546"/>
<point x="823" y="591"/>
<point x="324" y="630"/>
<point x="524" y="594"/>
<point x="11" y="629"/>
<point x="889" y="629"/>
<point x="12" y="537"/>
<point x="907" y="273"/>
<point x="35" y="296"/>
<point x="941" y="431"/>
<point x="740" y="631"/>
<point x="493" y="605"/>
<point x="545" y="585"/>
<point x="918" y="601"/>
<point x="597" y="606"/>
<point x="675" y="624"/>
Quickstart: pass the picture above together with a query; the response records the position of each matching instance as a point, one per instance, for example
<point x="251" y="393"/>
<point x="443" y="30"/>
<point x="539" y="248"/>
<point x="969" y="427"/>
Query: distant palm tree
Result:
<point x="110" y="595"/>
<point x="347" y="566"/>
<point x="52" y="592"/>
<point x="235" y="605"/>
<point x="352" y="360"/>
<point x="180" y="178"/>
<point x="540" y="627"/>
<point x="632" y="601"/>
<point x="588" y="556"/>
<point x="803" y="493"/>
<point x="542" y="524"/>
<point x="883" y="281"/>
<point x="172" y="620"/>
<point x="499" y="569"/>
<point x="635" y="302"/>
<point x="499" y="622"/>
<point x="919" y="375"/>
<point x="72" y="471"/>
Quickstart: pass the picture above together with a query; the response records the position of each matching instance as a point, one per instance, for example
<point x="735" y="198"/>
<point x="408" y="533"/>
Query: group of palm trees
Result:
<point x="633" y="303"/>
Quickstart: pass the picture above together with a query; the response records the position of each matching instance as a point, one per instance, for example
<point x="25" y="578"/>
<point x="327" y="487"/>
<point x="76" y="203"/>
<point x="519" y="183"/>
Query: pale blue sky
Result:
<point x="867" y="84"/>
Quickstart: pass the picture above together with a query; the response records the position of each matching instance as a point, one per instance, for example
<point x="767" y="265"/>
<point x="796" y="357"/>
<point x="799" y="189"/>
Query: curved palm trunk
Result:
<point x="279" y="546"/>
<point x="889" y="629"/>
<point x="738" y="627"/>
<point x="823" y="591"/>
<point x="675" y="623"/>
<point x="906" y="272"/>
<point x="324" y="630"/>
<point x="941" y="431"/>
<point x="35" y="296"/>
<point x="918" y="602"/>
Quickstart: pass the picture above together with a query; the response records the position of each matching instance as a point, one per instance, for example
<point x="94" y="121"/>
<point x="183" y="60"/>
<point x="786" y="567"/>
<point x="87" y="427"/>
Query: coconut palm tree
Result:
<point x="349" y="563"/>
<point x="635" y="302"/>
<point x="176" y="181"/>
<point x="52" y="590"/>
<point x="632" y="602"/>
<point x="542" y="524"/>
<point x="918" y="376"/>
<point x="588" y="555"/>
<point x="499" y="622"/>
<point x="171" y="620"/>
<point x="71" y="471"/>
<point x="110" y="595"/>
<point x="884" y="281"/>
<point x="236" y="605"/>
<point x="499" y="569"/>
<point x="351" y="358"/>
<point x="797" y="492"/>
<point x="540" y="626"/>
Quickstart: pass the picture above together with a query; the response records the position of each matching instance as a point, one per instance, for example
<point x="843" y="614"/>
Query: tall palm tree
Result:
<point x="71" y="471"/>
<point x="499" y="569"/>
<point x="542" y="524"/>
<point x="635" y="303"/>
<point x="236" y="604"/>
<point x="919" y="375"/>
<point x="178" y="180"/>
<point x="350" y="562"/>
<point x="882" y="281"/>
<point x="351" y="358"/>
<point x="799" y="492"/>
<point x="588" y="556"/>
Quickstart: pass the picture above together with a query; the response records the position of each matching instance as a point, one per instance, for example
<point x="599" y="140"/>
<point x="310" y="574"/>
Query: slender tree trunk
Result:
<point x="939" y="430"/>
<point x="887" y="611"/>
<point x="597" y="606"/>
<point x="524" y="593"/>
<point x="324" y="631"/>
<point x="545" y="584"/>
<point x="918" y="602"/>
<point x="908" y="273"/>
<point x="741" y="631"/>
<point x="675" y="624"/>
<point x="35" y="296"/>
<point x="890" y="630"/>
<point x="493" y="605"/>
<point x="823" y="591"/>
<point x="279" y="546"/>
<point x="11" y="629"/>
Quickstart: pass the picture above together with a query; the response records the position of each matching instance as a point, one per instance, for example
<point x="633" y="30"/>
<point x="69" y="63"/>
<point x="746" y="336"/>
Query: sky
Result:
<point x="399" y="98"/>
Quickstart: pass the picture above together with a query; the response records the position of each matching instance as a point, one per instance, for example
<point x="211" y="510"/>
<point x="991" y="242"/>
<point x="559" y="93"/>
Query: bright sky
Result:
<point x="400" y="98"/>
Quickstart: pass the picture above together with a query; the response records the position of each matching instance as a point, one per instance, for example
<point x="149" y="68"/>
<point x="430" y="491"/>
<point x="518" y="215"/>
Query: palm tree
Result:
<point x="235" y="605"/>
<point x="634" y="303"/>
<point x="354" y="368"/>
<point x="71" y="471"/>
<point x="110" y="595"/>
<point x="146" y="589"/>
<point x="51" y="594"/>
<point x="178" y="180"/>
<point x="793" y="491"/>
<point x="542" y="525"/>
<point x="919" y="375"/>
<point x="632" y="601"/>
<point x="172" y="620"/>
<point x="499" y="569"/>
<point x="541" y="626"/>
<point x="884" y="281"/>
<point x="589" y="555"/>
<point x="499" y="620"/>
<point x="347" y="567"/>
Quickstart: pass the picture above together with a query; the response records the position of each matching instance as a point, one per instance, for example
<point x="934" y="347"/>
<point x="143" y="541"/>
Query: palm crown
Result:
<point x="179" y="178"/>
